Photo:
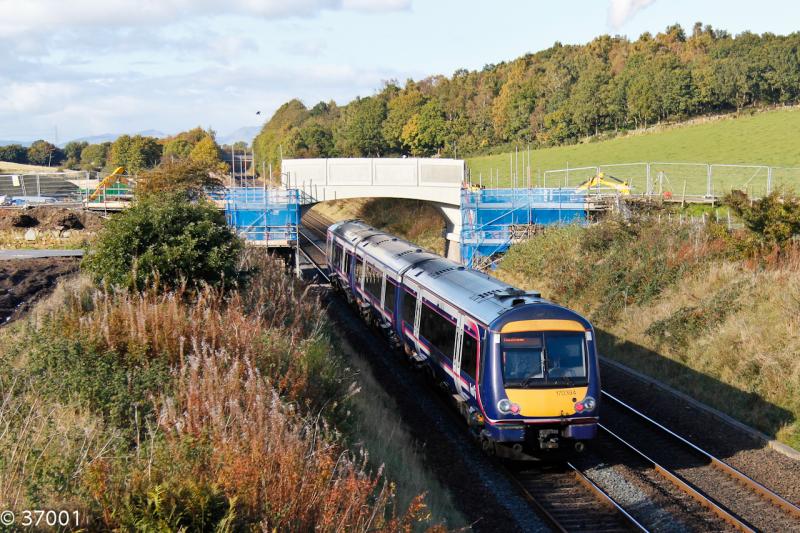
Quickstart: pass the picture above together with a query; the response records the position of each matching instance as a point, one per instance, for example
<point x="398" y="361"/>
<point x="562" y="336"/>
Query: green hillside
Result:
<point x="770" y="138"/>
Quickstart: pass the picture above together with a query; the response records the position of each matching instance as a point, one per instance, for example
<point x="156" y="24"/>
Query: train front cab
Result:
<point x="540" y="384"/>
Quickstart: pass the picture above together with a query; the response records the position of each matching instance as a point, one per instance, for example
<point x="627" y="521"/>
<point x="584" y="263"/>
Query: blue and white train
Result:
<point x="522" y="370"/>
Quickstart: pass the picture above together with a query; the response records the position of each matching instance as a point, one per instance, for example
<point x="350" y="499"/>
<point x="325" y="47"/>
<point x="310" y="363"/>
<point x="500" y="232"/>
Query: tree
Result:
<point x="168" y="238"/>
<point x="360" y="129"/>
<point x="95" y="156"/>
<point x="14" y="153"/>
<point x="177" y="148"/>
<point x="72" y="152"/>
<point x="186" y="176"/>
<point x="400" y="109"/>
<point x="312" y="139"/>
<point x="45" y="154"/>
<point x="425" y="133"/>
<point x="135" y="153"/>
<point x="206" y="152"/>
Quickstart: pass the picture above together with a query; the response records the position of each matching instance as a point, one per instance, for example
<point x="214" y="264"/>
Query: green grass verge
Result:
<point x="766" y="138"/>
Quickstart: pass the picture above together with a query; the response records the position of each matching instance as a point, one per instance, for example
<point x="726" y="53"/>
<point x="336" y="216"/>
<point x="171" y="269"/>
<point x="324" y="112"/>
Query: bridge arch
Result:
<point x="438" y="181"/>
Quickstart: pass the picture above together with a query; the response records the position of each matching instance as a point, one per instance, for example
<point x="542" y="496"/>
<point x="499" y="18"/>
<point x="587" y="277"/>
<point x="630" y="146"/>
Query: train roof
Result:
<point x="482" y="296"/>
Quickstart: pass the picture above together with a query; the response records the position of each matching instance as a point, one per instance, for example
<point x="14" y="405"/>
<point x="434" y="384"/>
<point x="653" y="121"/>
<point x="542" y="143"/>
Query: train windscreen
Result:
<point x="543" y="359"/>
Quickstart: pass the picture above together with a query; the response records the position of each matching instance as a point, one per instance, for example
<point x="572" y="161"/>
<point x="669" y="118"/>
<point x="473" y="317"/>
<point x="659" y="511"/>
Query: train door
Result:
<point x="417" y="314"/>
<point x="460" y="385"/>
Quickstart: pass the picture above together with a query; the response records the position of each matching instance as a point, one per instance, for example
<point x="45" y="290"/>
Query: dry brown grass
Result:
<point x="415" y="221"/>
<point x="241" y="438"/>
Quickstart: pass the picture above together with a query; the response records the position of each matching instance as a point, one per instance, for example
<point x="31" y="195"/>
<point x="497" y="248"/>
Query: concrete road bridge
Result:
<point x="438" y="181"/>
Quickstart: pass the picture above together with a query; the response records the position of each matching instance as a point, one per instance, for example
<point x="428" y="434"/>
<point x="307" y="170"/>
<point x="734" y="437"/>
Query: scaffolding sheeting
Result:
<point x="265" y="217"/>
<point x="492" y="219"/>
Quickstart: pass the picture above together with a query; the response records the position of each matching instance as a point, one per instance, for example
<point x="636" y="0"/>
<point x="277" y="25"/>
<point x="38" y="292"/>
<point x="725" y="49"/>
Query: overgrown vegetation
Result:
<point x="414" y="220"/>
<point x="552" y="97"/>
<point x="711" y="311"/>
<point x="198" y="410"/>
<point x="166" y="239"/>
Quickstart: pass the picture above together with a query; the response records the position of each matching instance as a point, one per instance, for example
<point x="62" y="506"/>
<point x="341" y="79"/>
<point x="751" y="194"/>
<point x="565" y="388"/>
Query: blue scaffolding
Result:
<point x="490" y="218"/>
<point x="265" y="217"/>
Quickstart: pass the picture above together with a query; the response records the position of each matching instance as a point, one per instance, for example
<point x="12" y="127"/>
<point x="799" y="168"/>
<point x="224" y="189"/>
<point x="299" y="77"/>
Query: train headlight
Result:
<point x="587" y="404"/>
<point x="505" y="406"/>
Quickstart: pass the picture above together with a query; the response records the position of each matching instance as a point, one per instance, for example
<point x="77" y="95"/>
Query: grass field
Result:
<point x="769" y="138"/>
<point x="18" y="168"/>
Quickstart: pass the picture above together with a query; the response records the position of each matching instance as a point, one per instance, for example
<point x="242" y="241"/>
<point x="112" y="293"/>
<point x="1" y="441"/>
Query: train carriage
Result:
<point x="523" y="371"/>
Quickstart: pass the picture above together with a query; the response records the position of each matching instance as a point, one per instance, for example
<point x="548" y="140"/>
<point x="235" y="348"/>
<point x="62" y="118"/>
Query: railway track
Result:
<point x="570" y="501"/>
<point x="736" y="498"/>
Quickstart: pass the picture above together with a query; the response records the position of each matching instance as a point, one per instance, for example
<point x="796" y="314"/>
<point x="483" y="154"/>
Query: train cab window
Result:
<point x="409" y="307"/>
<point x="391" y="295"/>
<point x="543" y="359"/>
<point x="469" y="355"/>
<point x="437" y="330"/>
<point x="373" y="281"/>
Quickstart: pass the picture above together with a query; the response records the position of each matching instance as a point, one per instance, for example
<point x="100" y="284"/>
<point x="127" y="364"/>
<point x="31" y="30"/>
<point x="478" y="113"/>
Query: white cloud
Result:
<point x="621" y="11"/>
<point x="37" y="16"/>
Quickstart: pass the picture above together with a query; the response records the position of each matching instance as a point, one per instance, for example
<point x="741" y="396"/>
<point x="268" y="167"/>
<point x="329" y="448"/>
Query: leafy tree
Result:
<point x="72" y="152"/>
<point x="186" y="176"/>
<point x="269" y="143"/>
<point x="14" y="153"/>
<point x="177" y="148"/>
<point x="360" y="131"/>
<point x="312" y="139"/>
<point x="168" y="238"/>
<point x="135" y="153"/>
<point x="400" y="109"/>
<point x="425" y="133"/>
<point x="44" y="153"/>
<point x="206" y="152"/>
<point x="95" y="156"/>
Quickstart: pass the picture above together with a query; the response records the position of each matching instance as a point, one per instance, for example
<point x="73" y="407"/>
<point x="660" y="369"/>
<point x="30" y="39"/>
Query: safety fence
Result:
<point x="63" y="188"/>
<point x="673" y="179"/>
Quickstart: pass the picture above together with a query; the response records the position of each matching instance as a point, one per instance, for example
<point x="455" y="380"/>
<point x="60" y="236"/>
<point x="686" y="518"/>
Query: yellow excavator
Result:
<point x="601" y="181"/>
<point x="117" y="175"/>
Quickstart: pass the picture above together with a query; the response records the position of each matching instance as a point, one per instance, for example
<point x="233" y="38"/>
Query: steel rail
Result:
<point x="699" y="496"/>
<point x="737" y="475"/>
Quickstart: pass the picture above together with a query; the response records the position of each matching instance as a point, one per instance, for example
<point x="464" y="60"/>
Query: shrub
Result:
<point x="775" y="218"/>
<point x="165" y="238"/>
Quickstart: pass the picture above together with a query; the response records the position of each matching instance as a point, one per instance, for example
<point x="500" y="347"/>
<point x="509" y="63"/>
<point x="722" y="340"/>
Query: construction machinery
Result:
<point x="601" y="181"/>
<point x="114" y="177"/>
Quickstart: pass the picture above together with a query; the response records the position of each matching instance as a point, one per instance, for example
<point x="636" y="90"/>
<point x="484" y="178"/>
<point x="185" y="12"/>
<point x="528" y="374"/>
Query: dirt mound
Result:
<point x="22" y="281"/>
<point x="47" y="217"/>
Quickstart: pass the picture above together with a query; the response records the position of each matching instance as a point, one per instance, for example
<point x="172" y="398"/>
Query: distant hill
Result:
<point x="6" y="142"/>
<point x="246" y="134"/>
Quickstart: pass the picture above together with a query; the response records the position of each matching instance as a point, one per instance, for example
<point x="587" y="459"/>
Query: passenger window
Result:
<point x="347" y="258"/>
<point x="391" y="296"/>
<point x="469" y="354"/>
<point x="359" y="270"/>
<point x="409" y="307"/>
<point x="438" y="330"/>
<point x="373" y="281"/>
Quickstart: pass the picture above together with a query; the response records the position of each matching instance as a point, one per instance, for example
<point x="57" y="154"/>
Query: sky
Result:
<point x="78" y="68"/>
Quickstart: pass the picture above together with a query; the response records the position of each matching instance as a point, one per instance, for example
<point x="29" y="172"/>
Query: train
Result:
<point x="522" y="370"/>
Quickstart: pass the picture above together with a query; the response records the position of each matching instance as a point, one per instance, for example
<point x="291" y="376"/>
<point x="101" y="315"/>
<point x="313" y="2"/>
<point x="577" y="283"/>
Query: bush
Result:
<point x="167" y="239"/>
<point x="775" y="218"/>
